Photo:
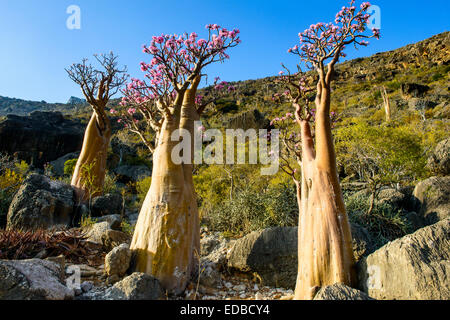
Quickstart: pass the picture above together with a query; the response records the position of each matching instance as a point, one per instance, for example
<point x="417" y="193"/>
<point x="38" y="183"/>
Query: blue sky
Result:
<point x="37" y="46"/>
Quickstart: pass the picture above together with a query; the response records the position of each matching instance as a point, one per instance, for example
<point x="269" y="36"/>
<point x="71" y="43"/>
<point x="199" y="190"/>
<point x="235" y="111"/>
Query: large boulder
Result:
<point x="41" y="203"/>
<point x="416" y="266"/>
<point x="393" y="197"/>
<point x="414" y="90"/>
<point x="40" y="137"/>
<point x="138" y="286"/>
<point x="107" y="204"/>
<point x="433" y="197"/>
<point x="127" y="173"/>
<point x="33" y="279"/>
<point x="439" y="161"/>
<point x="271" y="253"/>
<point x="362" y="242"/>
<point x="117" y="261"/>
<point x="340" y="291"/>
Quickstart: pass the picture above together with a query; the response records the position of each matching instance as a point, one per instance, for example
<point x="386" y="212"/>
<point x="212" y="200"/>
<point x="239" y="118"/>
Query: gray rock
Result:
<point x="208" y="244"/>
<point x="95" y="232"/>
<point x="33" y="279"/>
<point x="362" y="243"/>
<point x="340" y="291"/>
<point x="58" y="164"/>
<point x="414" y="90"/>
<point x="138" y="286"/>
<point x="393" y="197"/>
<point x="114" y="238"/>
<point x="128" y="173"/>
<point x="433" y="195"/>
<point x="439" y="161"/>
<point x="108" y="204"/>
<point x="416" y="266"/>
<point x="86" y="286"/>
<point x="210" y="276"/>
<point x="271" y="253"/>
<point x="41" y="203"/>
<point x="40" y="137"/>
<point x="114" y="221"/>
<point x="118" y="260"/>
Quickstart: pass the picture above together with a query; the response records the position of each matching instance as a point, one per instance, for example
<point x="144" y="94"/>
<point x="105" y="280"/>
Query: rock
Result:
<point x="138" y="286"/>
<point x="414" y="90"/>
<point x="439" y="161"/>
<point x="393" y="197"/>
<point x="208" y="244"/>
<point x="416" y="266"/>
<point x="95" y="232"/>
<point x="118" y="260"/>
<point x="362" y="243"/>
<point x="340" y="291"/>
<point x="128" y="173"/>
<point x="114" y="221"/>
<point x="210" y="276"/>
<point x="40" y="137"/>
<point x="33" y="279"/>
<point x="114" y="238"/>
<point x="41" y="203"/>
<point x="58" y="164"/>
<point x="86" y="286"/>
<point x="271" y="253"/>
<point x="107" y="205"/>
<point x="433" y="196"/>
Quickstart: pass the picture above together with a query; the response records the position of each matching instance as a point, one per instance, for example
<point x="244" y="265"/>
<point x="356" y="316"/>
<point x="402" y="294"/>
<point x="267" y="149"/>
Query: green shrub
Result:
<point x="109" y="186"/>
<point x="69" y="166"/>
<point x="127" y="227"/>
<point x="87" y="221"/>
<point x="252" y="210"/>
<point x="384" y="224"/>
<point x="142" y="187"/>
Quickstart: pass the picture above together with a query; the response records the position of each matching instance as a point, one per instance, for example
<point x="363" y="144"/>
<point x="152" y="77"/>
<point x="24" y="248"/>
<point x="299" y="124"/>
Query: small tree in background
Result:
<point x="98" y="86"/>
<point x="325" y="253"/>
<point x="161" y="110"/>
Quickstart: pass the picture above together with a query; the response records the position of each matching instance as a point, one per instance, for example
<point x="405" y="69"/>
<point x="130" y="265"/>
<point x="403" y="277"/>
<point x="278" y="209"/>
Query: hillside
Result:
<point x="358" y="81"/>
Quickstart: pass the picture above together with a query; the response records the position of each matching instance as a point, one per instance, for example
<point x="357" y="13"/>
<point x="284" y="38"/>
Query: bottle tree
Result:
<point x="325" y="253"/>
<point x="98" y="86"/>
<point x="162" y="110"/>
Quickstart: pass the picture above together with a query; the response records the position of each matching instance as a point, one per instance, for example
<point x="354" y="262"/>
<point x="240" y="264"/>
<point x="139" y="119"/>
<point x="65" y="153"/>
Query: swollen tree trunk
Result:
<point x="166" y="240"/>
<point x="90" y="170"/>
<point x="325" y="254"/>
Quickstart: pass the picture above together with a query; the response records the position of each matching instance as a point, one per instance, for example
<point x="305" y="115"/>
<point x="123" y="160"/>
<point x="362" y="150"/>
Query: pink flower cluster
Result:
<point x="322" y="41"/>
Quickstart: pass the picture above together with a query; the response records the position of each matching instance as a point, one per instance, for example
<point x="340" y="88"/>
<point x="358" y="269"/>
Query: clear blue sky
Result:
<point x="36" y="46"/>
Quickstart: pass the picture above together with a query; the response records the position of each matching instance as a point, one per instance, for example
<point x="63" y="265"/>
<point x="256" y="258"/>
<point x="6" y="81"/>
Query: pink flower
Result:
<point x="131" y="111"/>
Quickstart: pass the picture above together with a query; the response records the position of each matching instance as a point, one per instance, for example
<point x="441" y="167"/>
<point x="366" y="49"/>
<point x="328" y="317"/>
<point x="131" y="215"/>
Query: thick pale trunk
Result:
<point x="325" y="254"/>
<point x="93" y="154"/>
<point x="167" y="235"/>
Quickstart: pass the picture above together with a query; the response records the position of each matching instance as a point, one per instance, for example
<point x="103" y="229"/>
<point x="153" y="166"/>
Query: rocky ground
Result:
<point x="261" y="265"/>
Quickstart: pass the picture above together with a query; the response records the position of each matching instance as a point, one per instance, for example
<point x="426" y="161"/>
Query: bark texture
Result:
<point x="94" y="155"/>
<point x="325" y="254"/>
<point x="166" y="240"/>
